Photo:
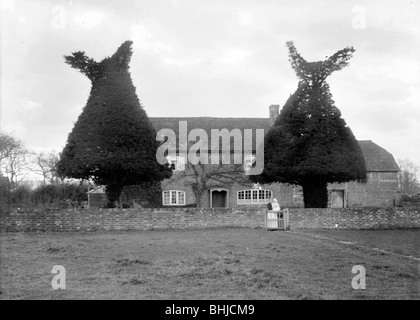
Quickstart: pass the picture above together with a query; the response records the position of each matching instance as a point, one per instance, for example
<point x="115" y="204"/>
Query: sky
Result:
<point x="212" y="58"/>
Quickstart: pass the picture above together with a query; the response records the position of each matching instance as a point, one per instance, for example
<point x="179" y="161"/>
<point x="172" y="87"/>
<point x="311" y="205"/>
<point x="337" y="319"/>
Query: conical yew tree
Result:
<point x="113" y="141"/>
<point x="310" y="144"/>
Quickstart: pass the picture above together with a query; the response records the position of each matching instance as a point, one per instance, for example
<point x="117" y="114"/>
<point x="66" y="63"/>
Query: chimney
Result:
<point x="274" y="112"/>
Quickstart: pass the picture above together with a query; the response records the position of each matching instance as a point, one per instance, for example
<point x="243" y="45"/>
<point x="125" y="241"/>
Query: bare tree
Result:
<point x="7" y="144"/>
<point x="45" y="165"/>
<point x="16" y="165"/>
<point x="407" y="177"/>
<point x="202" y="177"/>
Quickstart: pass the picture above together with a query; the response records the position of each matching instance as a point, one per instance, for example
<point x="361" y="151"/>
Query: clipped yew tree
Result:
<point x="310" y="144"/>
<point x="113" y="141"/>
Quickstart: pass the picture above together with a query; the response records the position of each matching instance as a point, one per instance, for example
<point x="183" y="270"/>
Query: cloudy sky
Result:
<point x="212" y="58"/>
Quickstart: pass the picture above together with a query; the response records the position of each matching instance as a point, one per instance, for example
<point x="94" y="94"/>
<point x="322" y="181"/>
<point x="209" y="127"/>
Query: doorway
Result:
<point x="337" y="199"/>
<point x="218" y="198"/>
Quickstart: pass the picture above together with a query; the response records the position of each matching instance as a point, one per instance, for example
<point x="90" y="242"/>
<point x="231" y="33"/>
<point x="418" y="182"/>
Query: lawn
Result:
<point x="231" y="263"/>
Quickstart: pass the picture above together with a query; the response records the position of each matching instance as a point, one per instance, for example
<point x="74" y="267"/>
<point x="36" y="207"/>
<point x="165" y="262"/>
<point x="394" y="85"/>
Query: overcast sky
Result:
<point x="212" y="58"/>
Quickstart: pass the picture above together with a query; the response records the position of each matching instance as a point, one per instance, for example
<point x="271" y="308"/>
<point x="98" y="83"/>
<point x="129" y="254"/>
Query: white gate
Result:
<point x="277" y="220"/>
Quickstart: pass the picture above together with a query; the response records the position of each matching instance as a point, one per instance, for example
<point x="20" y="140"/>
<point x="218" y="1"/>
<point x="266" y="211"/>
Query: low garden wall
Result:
<point x="192" y="218"/>
<point x="355" y="218"/>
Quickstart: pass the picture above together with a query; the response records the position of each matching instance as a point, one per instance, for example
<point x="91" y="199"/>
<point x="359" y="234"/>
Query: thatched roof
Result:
<point x="208" y="123"/>
<point x="376" y="157"/>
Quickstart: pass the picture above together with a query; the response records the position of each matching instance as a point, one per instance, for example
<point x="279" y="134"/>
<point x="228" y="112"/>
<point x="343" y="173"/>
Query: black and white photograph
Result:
<point x="210" y="155"/>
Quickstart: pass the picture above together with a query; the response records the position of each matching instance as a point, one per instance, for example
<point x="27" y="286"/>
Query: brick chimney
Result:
<point x="274" y="112"/>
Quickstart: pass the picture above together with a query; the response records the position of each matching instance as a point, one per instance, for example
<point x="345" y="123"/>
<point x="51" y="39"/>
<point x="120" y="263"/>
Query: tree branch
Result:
<point x="87" y="66"/>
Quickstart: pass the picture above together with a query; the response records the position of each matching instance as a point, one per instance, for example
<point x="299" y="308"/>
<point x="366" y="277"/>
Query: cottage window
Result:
<point x="254" y="196"/>
<point x="173" y="197"/>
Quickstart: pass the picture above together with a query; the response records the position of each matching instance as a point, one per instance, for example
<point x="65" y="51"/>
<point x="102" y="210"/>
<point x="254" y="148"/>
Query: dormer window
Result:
<point x="249" y="160"/>
<point x="177" y="163"/>
<point x="172" y="164"/>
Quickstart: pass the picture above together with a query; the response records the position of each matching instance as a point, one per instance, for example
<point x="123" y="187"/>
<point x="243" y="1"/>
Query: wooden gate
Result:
<point x="277" y="220"/>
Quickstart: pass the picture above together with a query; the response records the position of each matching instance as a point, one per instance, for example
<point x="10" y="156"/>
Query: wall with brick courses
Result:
<point x="283" y="193"/>
<point x="355" y="218"/>
<point x="131" y="219"/>
<point x="185" y="218"/>
<point x="372" y="193"/>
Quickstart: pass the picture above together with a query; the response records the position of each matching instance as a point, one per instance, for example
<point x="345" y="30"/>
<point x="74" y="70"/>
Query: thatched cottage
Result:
<point x="379" y="190"/>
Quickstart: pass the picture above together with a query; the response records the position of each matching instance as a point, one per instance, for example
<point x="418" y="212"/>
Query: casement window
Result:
<point x="177" y="163"/>
<point x="173" y="198"/>
<point x="254" y="196"/>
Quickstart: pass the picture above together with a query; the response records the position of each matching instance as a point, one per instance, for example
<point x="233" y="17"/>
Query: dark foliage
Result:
<point x="59" y="195"/>
<point x="51" y="196"/>
<point x="310" y="144"/>
<point x="113" y="141"/>
<point x="21" y="197"/>
<point x="147" y="194"/>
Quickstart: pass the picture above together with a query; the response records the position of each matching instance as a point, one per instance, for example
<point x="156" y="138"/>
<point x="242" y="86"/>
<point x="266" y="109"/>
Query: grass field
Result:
<point x="211" y="264"/>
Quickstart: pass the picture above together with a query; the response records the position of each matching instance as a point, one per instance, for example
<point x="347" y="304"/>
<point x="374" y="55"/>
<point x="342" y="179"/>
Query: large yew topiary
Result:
<point x="113" y="141"/>
<point x="310" y="144"/>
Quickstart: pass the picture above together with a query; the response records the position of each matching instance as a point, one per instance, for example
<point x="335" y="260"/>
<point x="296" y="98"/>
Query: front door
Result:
<point x="219" y="199"/>
<point x="337" y="199"/>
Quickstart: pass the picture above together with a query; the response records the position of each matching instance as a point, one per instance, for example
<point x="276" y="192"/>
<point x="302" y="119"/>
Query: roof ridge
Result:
<point x="209" y="118"/>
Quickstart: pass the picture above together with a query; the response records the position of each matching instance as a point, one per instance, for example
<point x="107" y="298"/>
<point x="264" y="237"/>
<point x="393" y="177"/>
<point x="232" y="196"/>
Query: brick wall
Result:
<point x="131" y="219"/>
<point x="355" y="218"/>
<point x="184" y="218"/>
<point x="282" y="192"/>
<point x="372" y="193"/>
